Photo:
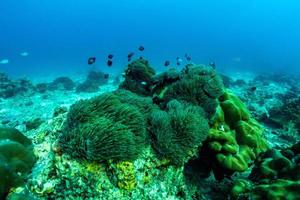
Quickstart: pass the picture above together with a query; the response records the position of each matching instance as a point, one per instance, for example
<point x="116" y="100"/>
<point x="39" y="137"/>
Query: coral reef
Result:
<point x="159" y="136"/>
<point x="33" y="124"/>
<point x="64" y="83"/>
<point x="41" y="87"/>
<point x="235" y="139"/>
<point x="138" y="77"/>
<point x="10" y="88"/>
<point x="103" y="128"/>
<point x="16" y="159"/>
<point x="92" y="82"/>
<point x="178" y="132"/>
<point x="199" y="85"/>
<point x="289" y="111"/>
<point x="275" y="176"/>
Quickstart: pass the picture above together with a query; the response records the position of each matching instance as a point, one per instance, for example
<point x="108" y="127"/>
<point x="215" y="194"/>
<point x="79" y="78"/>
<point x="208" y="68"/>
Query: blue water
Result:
<point x="256" y="35"/>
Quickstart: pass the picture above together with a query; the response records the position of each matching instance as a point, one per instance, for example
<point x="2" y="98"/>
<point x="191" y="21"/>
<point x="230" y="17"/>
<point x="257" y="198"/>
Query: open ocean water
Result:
<point x="60" y="35"/>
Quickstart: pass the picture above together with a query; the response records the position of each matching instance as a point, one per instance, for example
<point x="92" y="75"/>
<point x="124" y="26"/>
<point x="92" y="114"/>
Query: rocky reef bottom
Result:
<point x="271" y="100"/>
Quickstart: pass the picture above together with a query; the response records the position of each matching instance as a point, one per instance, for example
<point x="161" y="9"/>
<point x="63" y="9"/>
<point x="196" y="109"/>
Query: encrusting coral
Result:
<point x="275" y="176"/>
<point x="235" y="139"/>
<point x="16" y="159"/>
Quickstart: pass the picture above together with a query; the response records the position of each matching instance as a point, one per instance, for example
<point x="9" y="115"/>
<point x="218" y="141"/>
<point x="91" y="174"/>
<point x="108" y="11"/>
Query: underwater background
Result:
<point x="60" y="35"/>
<point x="149" y="100"/>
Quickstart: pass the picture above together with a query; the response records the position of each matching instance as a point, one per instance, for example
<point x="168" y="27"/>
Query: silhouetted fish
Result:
<point x="91" y="60"/>
<point x="141" y="48"/>
<point x="187" y="57"/>
<point x="109" y="63"/>
<point x="129" y="56"/>
<point x="110" y="56"/>
<point x="167" y="63"/>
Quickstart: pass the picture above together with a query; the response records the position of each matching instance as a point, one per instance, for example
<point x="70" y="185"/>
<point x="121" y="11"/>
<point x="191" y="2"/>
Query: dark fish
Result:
<point x="187" y="57"/>
<point x="106" y="76"/>
<point x="178" y="63"/>
<point x="109" y="63"/>
<point x="212" y="64"/>
<point x="91" y="60"/>
<point x="129" y="56"/>
<point x="110" y="56"/>
<point x="167" y="63"/>
<point x="141" y="48"/>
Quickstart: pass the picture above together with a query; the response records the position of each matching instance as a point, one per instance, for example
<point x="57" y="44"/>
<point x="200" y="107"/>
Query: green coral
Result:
<point x="104" y="128"/>
<point x="235" y="139"/>
<point x="240" y="188"/>
<point x="278" y="190"/>
<point x="199" y="85"/>
<point x="144" y="104"/>
<point x="276" y="175"/>
<point x="138" y="77"/>
<point x="234" y="109"/>
<point x="16" y="159"/>
<point x="178" y="133"/>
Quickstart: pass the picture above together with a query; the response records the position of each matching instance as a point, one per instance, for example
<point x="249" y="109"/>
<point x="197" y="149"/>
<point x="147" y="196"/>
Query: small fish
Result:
<point x="109" y="63"/>
<point x="143" y="83"/>
<point x="110" y="56"/>
<point x="179" y="61"/>
<point x="129" y="56"/>
<point x="106" y="76"/>
<point x="141" y="48"/>
<point x="167" y="63"/>
<point x="4" y="61"/>
<point x="187" y="57"/>
<point x="212" y="64"/>
<point x="91" y="60"/>
<point x="24" y="54"/>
